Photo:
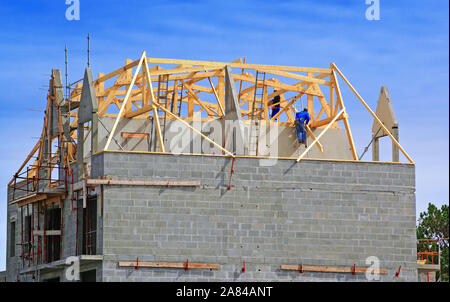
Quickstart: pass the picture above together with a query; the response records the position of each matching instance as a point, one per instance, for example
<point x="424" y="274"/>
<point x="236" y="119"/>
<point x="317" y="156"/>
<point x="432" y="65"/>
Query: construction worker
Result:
<point x="301" y="119"/>
<point x="276" y="102"/>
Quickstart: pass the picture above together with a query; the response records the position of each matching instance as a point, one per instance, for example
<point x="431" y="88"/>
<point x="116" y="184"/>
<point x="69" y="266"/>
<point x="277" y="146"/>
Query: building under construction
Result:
<point x="176" y="170"/>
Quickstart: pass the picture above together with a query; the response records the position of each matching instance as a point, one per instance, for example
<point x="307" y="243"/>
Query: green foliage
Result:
<point x="434" y="224"/>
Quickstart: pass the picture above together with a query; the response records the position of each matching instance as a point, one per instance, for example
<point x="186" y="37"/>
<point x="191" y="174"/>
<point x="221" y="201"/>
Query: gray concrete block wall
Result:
<point x="312" y="212"/>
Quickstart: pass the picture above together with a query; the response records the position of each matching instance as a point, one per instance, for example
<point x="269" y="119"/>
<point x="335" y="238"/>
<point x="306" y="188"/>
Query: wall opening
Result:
<point x="53" y="240"/>
<point x="89" y="276"/>
<point x="90" y="227"/>
<point x="12" y="240"/>
<point x="27" y="237"/>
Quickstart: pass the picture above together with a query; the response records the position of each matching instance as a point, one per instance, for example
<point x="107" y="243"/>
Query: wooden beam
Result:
<point x="164" y="183"/>
<point x="309" y="79"/>
<point x="318" y="144"/>
<point x="23" y="200"/>
<point x="332" y="269"/>
<point x="217" y="97"/>
<point x="350" y="136"/>
<point x="47" y="232"/>
<point x="280" y="86"/>
<point x="169" y="265"/>
<point x="372" y="113"/>
<point x="134" y="135"/>
<point x="33" y="151"/>
<point x="323" y="122"/>
<point x="196" y="98"/>
<point x="239" y="65"/>
<point x="116" y="72"/>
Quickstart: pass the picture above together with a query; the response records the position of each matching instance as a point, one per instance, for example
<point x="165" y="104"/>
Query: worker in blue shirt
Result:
<point x="276" y="104"/>
<point x="301" y="118"/>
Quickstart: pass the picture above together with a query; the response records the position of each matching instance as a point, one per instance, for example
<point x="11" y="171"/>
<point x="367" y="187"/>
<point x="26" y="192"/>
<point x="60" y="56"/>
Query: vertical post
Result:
<point x="44" y="252"/>
<point x="80" y="151"/>
<point x="21" y="235"/>
<point x="86" y="230"/>
<point x="39" y="239"/>
<point x="331" y="99"/>
<point x="28" y="234"/>
<point x="100" y="208"/>
<point x="221" y="87"/>
<point x="32" y="234"/>
<point x="350" y="137"/>
<point x="76" y="227"/>
<point x="38" y="175"/>
<point x="61" y="205"/>
<point x="27" y="180"/>
<point x="88" y="51"/>
<point x="395" y="150"/>
<point x="376" y="149"/>
<point x="84" y="193"/>
<point x="310" y="99"/>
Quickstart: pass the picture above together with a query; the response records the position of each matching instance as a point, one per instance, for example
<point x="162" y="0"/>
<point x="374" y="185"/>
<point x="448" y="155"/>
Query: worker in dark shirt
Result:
<point x="301" y="119"/>
<point x="276" y="105"/>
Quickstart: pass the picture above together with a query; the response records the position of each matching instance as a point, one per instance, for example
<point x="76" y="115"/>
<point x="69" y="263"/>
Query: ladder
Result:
<point x="163" y="92"/>
<point x="257" y="108"/>
<point x="180" y="98"/>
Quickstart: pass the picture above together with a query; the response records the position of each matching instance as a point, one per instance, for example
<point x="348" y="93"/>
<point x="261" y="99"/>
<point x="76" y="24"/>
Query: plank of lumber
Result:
<point x="170" y="183"/>
<point x="47" y="233"/>
<point x="309" y="79"/>
<point x="331" y="269"/>
<point x="284" y="87"/>
<point x="134" y="135"/>
<point x="238" y="65"/>
<point x="318" y="144"/>
<point x="169" y="265"/>
<point x="29" y="198"/>
<point x="33" y="151"/>
<point x="116" y="72"/>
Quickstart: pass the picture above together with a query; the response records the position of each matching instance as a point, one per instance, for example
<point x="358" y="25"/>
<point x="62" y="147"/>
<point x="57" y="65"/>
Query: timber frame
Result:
<point x="189" y="90"/>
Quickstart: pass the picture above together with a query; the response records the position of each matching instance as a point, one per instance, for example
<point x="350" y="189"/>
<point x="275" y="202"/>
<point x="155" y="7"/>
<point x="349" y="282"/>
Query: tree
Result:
<point x="434" y="224"/>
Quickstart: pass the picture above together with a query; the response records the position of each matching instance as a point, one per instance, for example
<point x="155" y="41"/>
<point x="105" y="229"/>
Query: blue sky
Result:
<point x="407" y="50"/>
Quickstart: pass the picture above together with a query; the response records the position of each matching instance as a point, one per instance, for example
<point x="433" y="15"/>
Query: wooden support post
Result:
<point x="332" y="269"/>
<point x="217" y="96"/>
<point x="332" y="100"/>
<point x="168" y="265"/>
<point x="221" y="87"/>
<point x="310" y="100"/>
<point x="372" y="113"/>
<point x="350" y="137"/>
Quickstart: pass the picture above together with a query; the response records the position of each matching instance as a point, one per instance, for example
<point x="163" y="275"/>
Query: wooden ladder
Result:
<point x="256" y="116"/>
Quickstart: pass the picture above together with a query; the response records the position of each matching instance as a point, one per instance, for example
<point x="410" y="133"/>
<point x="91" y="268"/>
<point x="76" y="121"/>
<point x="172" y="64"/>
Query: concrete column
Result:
<point x="376" y="149"/>
<point x="80" y="151"/>
<point x="395" y="150"/>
